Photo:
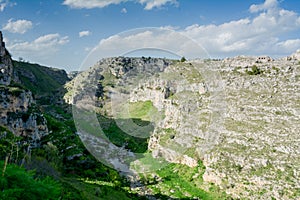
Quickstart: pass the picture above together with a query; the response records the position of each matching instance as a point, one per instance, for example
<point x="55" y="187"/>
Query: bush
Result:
<point x="183" y="59"/>
<point x="17" y="183"/>
<point x="254" y="70"/>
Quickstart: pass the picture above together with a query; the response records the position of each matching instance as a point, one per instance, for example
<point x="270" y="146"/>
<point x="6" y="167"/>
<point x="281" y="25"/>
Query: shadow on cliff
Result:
<point x="45" y="83"/>
<point x="118" y="136"/>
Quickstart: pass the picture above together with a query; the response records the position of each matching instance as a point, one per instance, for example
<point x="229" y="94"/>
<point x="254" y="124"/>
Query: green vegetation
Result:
<point x="91" y="189"/>
<point x="38" y="79"/>
<point x="183" y="72"/>
<point x="254" y="70"/>
<point x="277" y="70"/>
<point x="62" y="168"/>
<point x="82" y="177"/>
<point x="119" y="137"/>
<point x="183" y="59"/>
<point x="15" y="91"/>
<point x="17" y="183"/>
<point x="167" y="135"/>
<point x="134" y="118"/>
<point x="144" y="110"/>
<point x="237" y="69"/>
<point x="180" y="182"/>
<point x="12" y="147"/>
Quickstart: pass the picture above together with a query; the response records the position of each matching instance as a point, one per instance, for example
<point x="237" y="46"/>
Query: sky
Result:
<point x="62" y="33"/>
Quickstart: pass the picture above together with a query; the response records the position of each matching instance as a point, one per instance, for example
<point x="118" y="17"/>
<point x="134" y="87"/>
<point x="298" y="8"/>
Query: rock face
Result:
<point x="256" y="155"/>
<point x="6" y="67"/>
<point x="17" y="104"/>
<point x="296" y="55"/>
<point x="259" y="156"/>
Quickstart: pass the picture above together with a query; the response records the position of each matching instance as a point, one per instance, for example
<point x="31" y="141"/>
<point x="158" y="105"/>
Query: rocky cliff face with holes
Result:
<point x="258" y="156"/>
<point x="17" y="110"/>
<point x="254" y="149"/>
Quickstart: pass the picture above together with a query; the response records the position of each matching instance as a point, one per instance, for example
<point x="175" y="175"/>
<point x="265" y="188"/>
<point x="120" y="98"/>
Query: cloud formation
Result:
<point x="124" y="10"/>
<point x="20" y="26"/>
<point x="88" y="4"/>
<point x="4" y="4"/>
<point x="44" y="45"/>
<point x="267" y="5"/>
<point x="255" y="35"/>
<point x="84" y="33"/>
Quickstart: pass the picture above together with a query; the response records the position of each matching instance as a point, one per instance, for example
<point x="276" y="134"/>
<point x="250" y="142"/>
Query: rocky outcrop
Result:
<point x="6" y="67"/>
<point x="295" y="56"/>
<point x="17" y="111"/>
<point x="118" y="70"/>
<point x="256" y="154"/>
<point x="259" y="154"/>
<point x="17" y="114"/>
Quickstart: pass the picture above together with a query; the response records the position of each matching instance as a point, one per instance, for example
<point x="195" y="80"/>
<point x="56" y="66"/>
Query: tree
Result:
<point x="183" y="59"/>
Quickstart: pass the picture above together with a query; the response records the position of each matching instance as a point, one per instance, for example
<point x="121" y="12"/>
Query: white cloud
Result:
<point x="124" y="10"/>
<point x="42" y="46"/>
<point x="255" y="35"/>
<point x="4" y="4"/>
<point x="286" y="46"/>
<point x="267" y="5"/>
<point x="88" y="4"/>
<point x="20" y="26"/>
<point x="150" y="4"/>
<point x="162" y="39"/>
<point x="84" y="33"/>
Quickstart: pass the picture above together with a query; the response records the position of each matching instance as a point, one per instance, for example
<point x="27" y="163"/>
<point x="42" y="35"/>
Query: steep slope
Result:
<point x="17" y="108"/>
<point x="152" y="100"/>
<point x="37" y="132"/>
<point x="5" y="64"/>
<point x="259" y="156"/>
<point x="253" y="148"/>
<point x="39" y="79"/>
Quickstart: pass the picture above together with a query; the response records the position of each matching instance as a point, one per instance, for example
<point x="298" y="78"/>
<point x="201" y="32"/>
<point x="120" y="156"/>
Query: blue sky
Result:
<point x="61" y="33"/>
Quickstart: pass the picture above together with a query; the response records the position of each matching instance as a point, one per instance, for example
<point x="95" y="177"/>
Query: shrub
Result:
<point x="17" y="183"/>
<point x="254" y="70"/>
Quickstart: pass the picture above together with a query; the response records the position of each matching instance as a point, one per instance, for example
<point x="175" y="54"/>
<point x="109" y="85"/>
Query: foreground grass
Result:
<point x="182" y="182"/>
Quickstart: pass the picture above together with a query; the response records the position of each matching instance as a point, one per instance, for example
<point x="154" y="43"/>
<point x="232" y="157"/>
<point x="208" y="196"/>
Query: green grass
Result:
<point x="147" y="163"/>
<point x="143" y="110"/>
<point x="120" y="137"/>
<point x="44" y="83"/>
<point x="182" y="182"/>
<point x="132" y="128"/>
<point x="17" y="183"/>
<point x="97" y="190"/>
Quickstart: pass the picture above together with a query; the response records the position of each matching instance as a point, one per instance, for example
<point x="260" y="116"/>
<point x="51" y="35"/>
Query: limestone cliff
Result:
<point x="17" y="110"/>
<point x="255" y="153"/>
<point x="6" y="68"/>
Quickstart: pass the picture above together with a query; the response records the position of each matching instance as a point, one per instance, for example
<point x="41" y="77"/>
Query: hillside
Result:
<point x="151" y="128"/>
<point x="41" y="155"/>
<point x="40" y="80"/>
<point x="239" y="116"/>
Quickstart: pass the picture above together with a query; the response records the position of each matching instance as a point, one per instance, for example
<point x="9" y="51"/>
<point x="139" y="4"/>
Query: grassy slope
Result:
<point x="46" y="80"/>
